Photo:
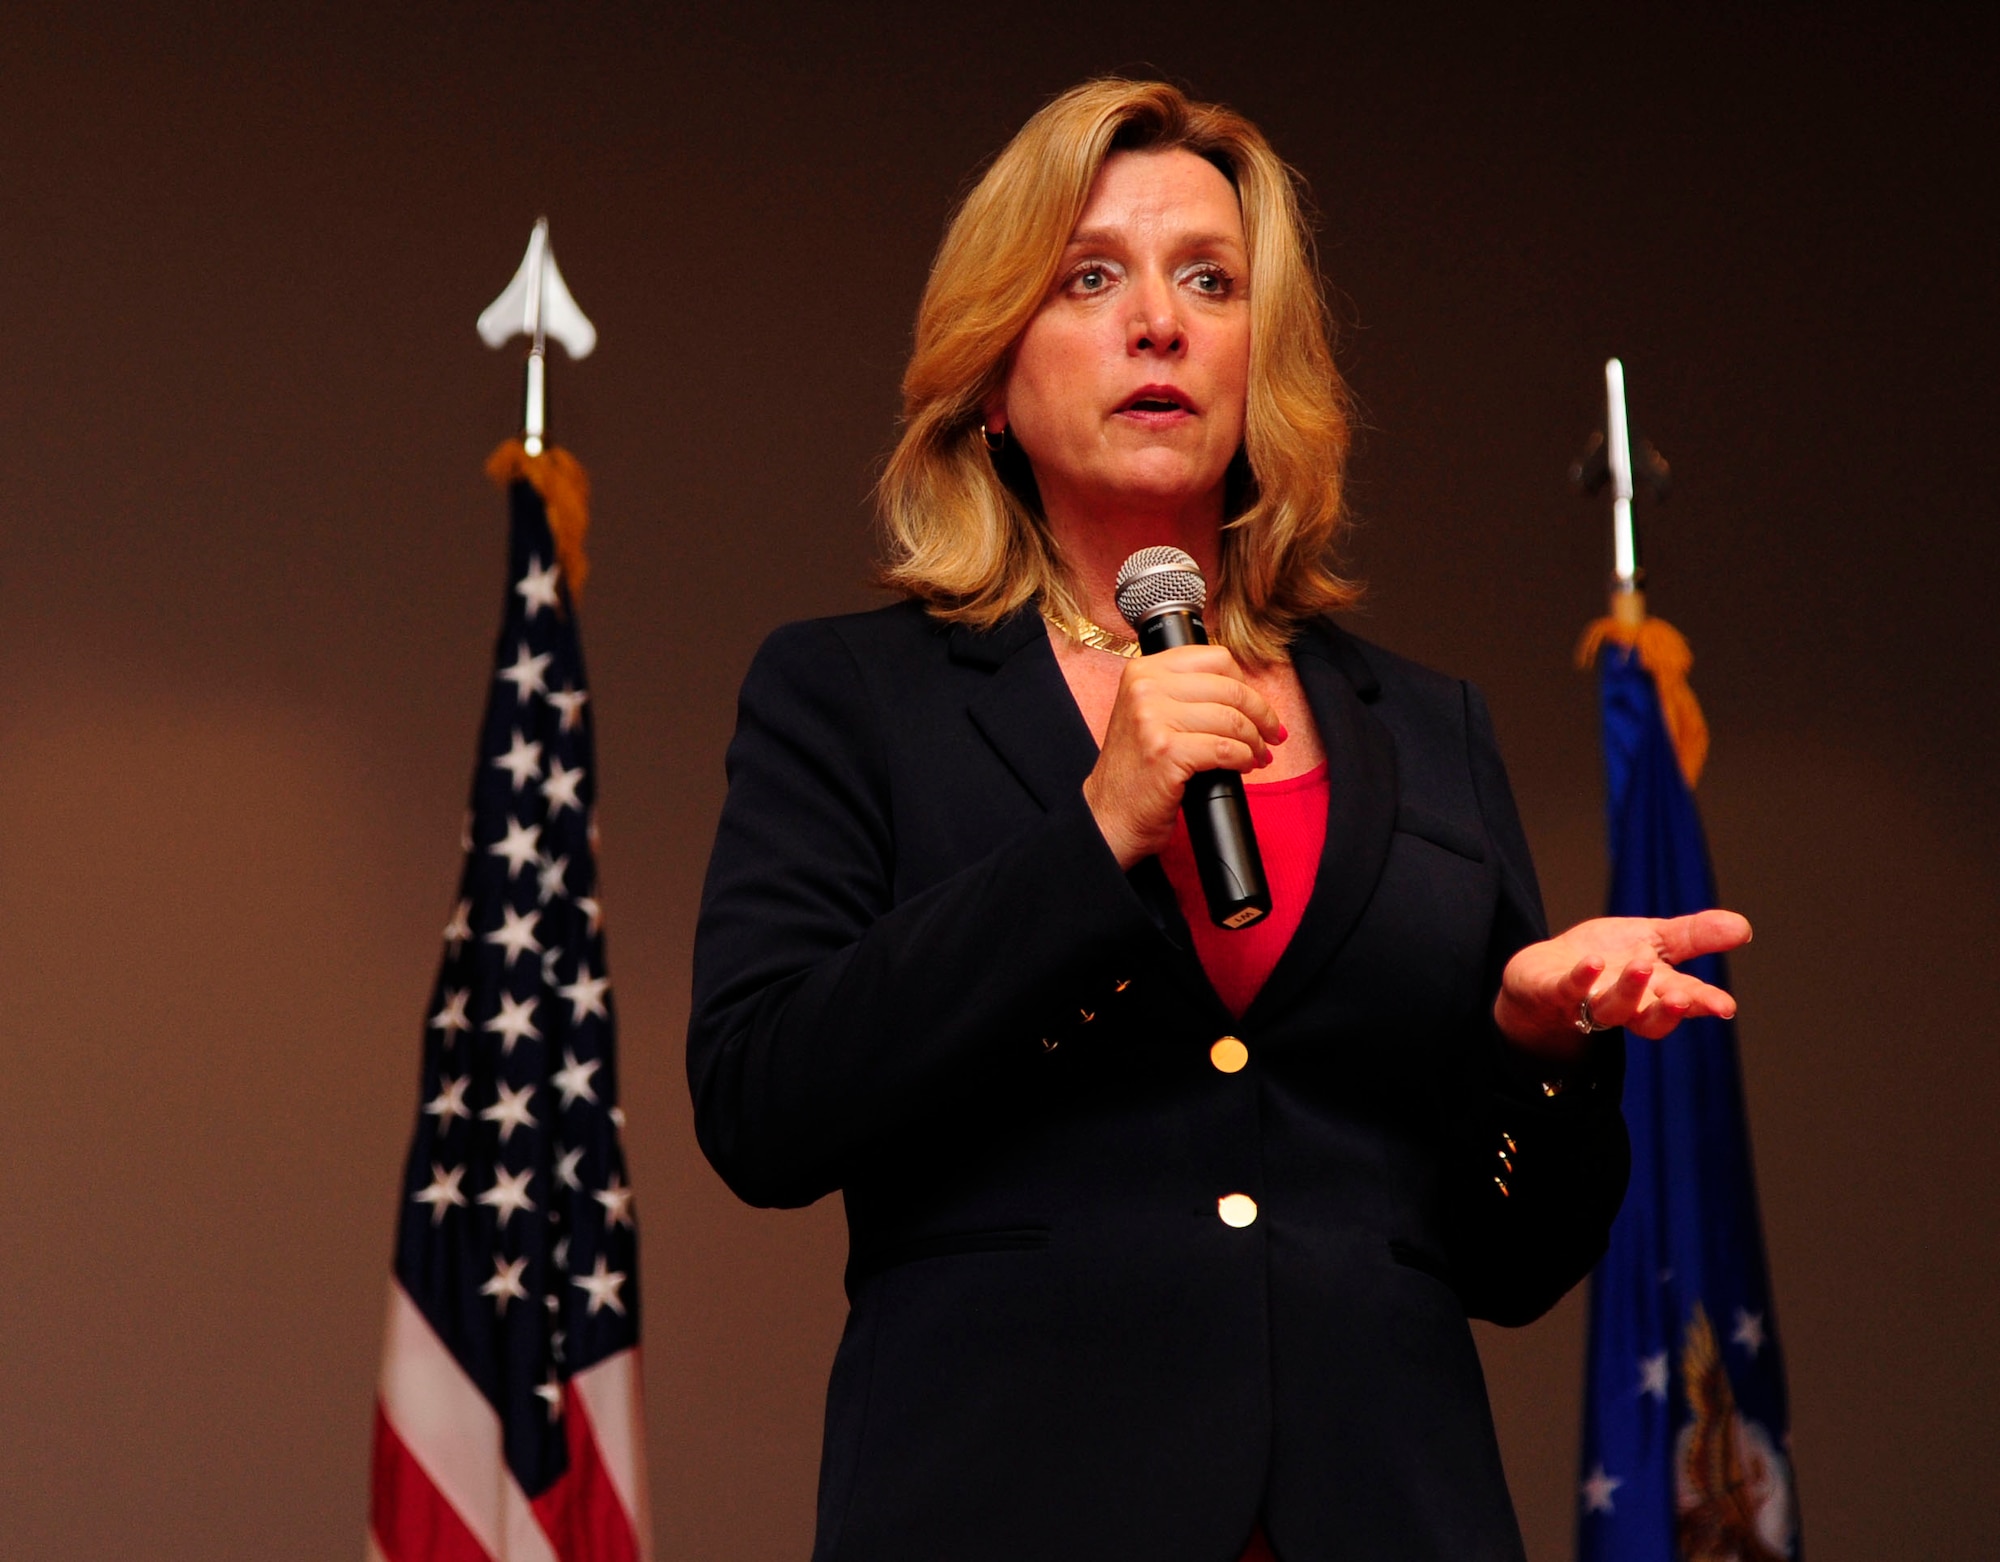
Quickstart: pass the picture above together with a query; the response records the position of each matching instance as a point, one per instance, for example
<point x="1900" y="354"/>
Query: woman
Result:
<point x="1163" y="1238"/>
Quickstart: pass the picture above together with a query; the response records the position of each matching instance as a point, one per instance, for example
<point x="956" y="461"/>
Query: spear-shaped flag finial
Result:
<point x="537" y="305"/>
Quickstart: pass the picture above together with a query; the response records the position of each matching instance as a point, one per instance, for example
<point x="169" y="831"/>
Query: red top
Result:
<point x="1290" y="820"/>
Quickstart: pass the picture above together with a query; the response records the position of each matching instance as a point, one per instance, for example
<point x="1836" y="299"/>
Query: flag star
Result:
<point x="538" y="586"/>
<point x="1598" y="1489"/>
<point x="618" y="1117"/>
<point x="443" y="1192"/>
<point x="549" y="878"/>
<point x="570" y="701"/>
<point x="586" y="994"/>
<point x="451" y="1018"/>
<point x="515" y="1020"/>
<point x="617" y="1201"/>
<point x="505" y="1286"/>
<point x="516" y="933"/>
<point x="450" y="1102"/>
<point x="459" y="928"/>
<point x="1653" y="1376"/>
<point x="593" y="914"/>
<point x="511" y="1110"/>
<point x="566" y="1165"/>
<point x="523" y="844"/>
<point x="552" y="1393"/>
<point x="560" y="788"/>
<point x="603" y="1285"/>
<point x="562" y="1254"/>
<point x="508" y="1193"/>
<point x="573" y="1078"/>
<point x="526" y="674"/>
<point x="523" y="761"/>
<point x="1749" y="1332"/>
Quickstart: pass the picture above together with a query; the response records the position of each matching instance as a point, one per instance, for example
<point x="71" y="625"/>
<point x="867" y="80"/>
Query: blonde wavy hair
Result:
<point x="964" y="528"/>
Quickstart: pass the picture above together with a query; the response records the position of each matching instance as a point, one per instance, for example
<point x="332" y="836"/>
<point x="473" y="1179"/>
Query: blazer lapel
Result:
<point x="1361" y="809"/>
<point x="1025" y="710"/>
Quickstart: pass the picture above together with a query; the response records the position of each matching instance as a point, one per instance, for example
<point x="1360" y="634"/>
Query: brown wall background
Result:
<point x="251" y="573"/>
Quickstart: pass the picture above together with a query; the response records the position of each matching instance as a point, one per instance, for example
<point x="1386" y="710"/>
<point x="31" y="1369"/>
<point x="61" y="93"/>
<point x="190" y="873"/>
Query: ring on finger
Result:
<point x="1585" y="1021"/>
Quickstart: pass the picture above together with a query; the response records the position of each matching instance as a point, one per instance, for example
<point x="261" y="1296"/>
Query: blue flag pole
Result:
<point x="1686" y="1440"/>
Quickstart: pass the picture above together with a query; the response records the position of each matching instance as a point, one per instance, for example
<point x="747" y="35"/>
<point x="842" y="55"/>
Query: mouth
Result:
<point x="1156" y="401"/>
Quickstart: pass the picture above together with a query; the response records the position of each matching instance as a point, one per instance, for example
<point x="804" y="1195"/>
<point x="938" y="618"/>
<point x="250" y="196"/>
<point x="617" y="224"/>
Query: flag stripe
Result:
<point x="581" y="1512"/>
<point x="612" y="1395"/>
<point x="450" y="1430"/>
<point x="410" y="1520"/>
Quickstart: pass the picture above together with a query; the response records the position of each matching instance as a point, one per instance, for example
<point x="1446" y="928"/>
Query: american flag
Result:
<point x="508" y="1421"/>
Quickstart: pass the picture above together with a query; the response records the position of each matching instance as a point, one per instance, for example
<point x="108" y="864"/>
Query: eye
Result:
<point x="1211" y="281"/>
<point x="1090" y="279"/>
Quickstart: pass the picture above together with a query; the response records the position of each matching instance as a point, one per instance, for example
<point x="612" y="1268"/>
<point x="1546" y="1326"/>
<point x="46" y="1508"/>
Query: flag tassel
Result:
<point x="560" y="479"/>
<point x="1663" y="652"/>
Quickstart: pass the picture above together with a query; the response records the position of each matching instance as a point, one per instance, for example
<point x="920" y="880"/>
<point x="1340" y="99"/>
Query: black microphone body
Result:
<point x="1214" y="805"/>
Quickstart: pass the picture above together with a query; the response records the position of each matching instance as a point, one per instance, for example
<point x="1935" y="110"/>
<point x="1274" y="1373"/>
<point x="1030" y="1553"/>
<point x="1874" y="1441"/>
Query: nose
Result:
<point x="1155" y="326"/>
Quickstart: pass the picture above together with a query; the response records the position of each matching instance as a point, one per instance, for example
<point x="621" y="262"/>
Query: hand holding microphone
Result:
<point x="1183" y="727"/>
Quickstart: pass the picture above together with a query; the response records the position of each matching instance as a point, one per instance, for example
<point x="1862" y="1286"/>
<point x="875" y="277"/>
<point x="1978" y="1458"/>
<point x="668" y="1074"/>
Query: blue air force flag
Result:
<point x="1686" y="1446"/>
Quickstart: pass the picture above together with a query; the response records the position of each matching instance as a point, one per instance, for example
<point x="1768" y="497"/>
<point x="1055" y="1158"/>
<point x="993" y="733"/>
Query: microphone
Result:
<point x="1161" y="593"/>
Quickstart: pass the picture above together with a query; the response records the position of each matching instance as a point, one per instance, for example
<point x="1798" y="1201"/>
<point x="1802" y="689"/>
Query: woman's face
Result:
<point x="1127" y="390"/>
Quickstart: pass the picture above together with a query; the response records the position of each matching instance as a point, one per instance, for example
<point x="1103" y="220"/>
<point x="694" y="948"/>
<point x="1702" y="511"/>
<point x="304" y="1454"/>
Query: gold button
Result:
<point x="1229" y="1054"/>
<point x="1236" y="1209"/>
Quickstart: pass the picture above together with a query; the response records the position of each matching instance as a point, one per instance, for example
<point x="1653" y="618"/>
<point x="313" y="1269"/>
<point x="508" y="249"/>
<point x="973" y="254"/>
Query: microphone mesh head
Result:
<point x="1156" y="580"/>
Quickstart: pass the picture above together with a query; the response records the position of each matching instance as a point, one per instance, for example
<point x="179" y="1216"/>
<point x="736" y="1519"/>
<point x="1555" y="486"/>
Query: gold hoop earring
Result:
<point x="996" y="439"/>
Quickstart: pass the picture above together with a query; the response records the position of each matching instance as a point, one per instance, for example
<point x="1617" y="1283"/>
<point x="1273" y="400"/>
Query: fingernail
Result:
<point x="1282" y="733"/>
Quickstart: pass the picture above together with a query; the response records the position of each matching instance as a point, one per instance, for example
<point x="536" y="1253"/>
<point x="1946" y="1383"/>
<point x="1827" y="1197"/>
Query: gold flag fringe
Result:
<point x="1664" y="653"/>
<point x="565" y="489"/>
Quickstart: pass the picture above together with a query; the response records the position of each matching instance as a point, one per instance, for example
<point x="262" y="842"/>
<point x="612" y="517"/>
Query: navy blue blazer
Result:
<point x="922" y="980"/>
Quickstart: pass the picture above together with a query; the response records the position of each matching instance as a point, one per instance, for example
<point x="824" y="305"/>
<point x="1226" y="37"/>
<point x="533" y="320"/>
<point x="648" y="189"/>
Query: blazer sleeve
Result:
<point x="826" y="1014"/>
<point x="1543" y="1155"/>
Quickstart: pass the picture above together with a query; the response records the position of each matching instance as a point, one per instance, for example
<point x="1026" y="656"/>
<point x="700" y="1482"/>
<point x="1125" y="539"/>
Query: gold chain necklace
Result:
<point x="1096" y="636"/>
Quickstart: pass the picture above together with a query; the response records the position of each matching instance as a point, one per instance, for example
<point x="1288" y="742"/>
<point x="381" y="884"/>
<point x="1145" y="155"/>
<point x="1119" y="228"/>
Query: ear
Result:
<point x="993" y="412"/>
